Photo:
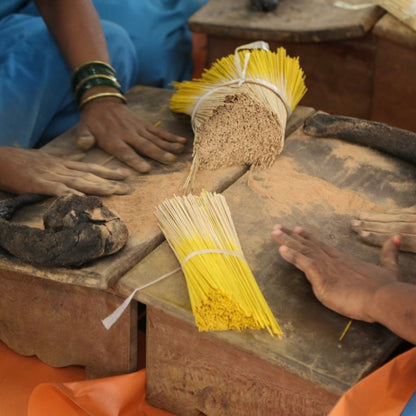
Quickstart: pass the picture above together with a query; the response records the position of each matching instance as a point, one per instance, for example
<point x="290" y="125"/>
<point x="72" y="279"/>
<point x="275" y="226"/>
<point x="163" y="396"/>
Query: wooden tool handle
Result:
<point x="394" y="141"/>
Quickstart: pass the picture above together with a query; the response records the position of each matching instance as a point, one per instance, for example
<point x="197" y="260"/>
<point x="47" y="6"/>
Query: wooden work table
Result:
<point x="56" y="313"/>
<point x="323" y="183"/>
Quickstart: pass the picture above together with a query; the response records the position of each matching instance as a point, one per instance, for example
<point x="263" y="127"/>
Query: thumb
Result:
<point x="84" y="139"/>
<point x="389" y="258"/>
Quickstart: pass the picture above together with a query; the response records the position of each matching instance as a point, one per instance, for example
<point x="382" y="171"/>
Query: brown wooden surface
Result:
<point x="61" y="324"/>
<point x="322" y="183"/>
<point x="218" y="379"/>
<point x="136" y="209"/>
<point x="292" y="21"/>
<point x="392" y="29"/>
<point x="339" y="75"/>
<point x="394" y="77"/>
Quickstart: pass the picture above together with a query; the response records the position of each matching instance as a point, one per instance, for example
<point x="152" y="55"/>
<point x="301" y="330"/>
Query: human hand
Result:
<point x="121" y="133"/>
<point x="344" y="284"/>
<point x="375" y="228"/>
<point x="37" y="172"/>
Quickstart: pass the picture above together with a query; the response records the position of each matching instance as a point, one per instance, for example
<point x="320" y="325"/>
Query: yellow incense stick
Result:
<point x="344" y="332"/>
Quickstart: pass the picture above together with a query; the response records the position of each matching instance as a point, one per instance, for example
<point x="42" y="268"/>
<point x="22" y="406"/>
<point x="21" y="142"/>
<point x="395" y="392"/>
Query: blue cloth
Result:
<point x="410" y="409"/>
<point x="160" y="34"/>
<point x="10" y="6"/>
<point x="149" y="43"/>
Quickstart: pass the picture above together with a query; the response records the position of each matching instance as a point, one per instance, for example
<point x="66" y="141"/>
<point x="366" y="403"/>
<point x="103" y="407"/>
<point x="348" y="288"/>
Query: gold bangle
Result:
<point x="102" y="95"/>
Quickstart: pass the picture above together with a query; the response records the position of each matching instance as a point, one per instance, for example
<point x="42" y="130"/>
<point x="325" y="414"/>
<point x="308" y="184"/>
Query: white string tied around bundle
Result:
<point x="111" y="319"/>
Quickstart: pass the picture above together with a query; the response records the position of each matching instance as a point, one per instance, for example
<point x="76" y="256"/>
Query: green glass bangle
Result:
<point x="91" y="68"/>
<point x="96" y="81"/>
<point x="86" y="79"/>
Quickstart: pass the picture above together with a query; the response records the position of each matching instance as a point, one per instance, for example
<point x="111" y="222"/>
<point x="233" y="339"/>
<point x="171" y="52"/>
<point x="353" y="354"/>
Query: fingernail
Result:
<point x="397" y="240"/>
<point x="169" y="158"/>
<point x="355" y="223"/>
<point x="123" y="172"/>
<point x="364" y="233"/>
<point x="123" y="188"/>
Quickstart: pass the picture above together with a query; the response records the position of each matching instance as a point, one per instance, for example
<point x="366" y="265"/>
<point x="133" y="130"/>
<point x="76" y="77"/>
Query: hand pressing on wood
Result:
<point x="37" y="172"/>
<point x="374" y="228"/>
<point x="117" y="130"/>
<point x="351" y="287"/>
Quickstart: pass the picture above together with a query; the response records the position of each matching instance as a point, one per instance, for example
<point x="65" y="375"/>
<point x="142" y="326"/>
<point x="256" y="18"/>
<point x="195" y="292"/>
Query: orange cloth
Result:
<point x="385" y="392"/>
<point x="112" y="396"/>
<point x="20" y="375"/>
<point x="29" y="387"/>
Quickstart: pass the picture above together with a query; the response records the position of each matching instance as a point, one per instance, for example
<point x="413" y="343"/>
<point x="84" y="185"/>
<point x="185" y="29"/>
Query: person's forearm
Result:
<point x="76" y="28"/>
<point x="394" y="307"/>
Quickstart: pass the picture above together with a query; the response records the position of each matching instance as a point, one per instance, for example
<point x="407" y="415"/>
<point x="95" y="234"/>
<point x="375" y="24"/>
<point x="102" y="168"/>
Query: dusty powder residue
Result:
<point x="137" y="210"/>
<point x="357" y="156"/>
<point x="287" y="188"/>
<point x="240" y="132"/>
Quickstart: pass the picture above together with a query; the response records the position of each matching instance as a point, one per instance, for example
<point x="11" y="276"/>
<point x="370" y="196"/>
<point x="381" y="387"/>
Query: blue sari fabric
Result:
<point x="148" y="40"/>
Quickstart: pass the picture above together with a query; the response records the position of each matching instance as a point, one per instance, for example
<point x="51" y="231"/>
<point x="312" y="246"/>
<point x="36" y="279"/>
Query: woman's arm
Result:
<point x="76" y="28"/>
<point x="106" y="121"/>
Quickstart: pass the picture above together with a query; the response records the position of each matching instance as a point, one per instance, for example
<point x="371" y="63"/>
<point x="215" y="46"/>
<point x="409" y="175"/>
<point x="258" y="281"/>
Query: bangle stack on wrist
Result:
<point x="95" y="74"/>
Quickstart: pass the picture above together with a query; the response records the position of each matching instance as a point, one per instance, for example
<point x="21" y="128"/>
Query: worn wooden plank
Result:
<point x="292" y="21"/>
<point x="218" y="379"/>
<point x="324" y="183"/>
<point x="394" y="81"/>
<point x="61" y="324"/>
<point x="392" y="29"/>
<point x="339" y="75"/>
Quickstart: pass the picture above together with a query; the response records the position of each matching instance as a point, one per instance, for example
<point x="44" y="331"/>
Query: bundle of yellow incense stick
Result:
<point x="223" y="292"/>
<point x="239" y="107"/>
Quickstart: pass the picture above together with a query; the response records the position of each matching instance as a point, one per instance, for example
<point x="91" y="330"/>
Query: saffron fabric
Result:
<point x="123" y="395"/>
<point x="28" y="387"/>
<point x="388" y="391"/>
